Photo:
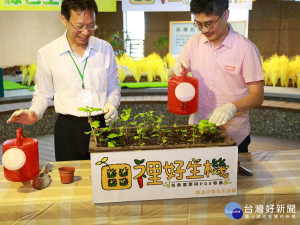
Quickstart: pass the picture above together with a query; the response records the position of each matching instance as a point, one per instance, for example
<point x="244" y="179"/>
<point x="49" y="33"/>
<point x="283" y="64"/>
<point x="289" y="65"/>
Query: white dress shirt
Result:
<point x="58" y="77"/>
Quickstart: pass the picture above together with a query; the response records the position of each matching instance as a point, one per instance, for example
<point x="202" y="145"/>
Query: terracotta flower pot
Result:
<point x="66" y="174"/>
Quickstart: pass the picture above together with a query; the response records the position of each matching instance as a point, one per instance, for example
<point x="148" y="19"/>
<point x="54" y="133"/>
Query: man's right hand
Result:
<point x="177" y="67"/>
<point x="23" y="116"/>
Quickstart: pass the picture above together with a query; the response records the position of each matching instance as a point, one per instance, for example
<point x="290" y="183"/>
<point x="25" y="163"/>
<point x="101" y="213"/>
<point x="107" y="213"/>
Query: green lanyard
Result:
<point x="81" y="74"/>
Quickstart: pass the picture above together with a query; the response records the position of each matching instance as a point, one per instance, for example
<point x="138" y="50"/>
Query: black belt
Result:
<point x="76" y="118"/>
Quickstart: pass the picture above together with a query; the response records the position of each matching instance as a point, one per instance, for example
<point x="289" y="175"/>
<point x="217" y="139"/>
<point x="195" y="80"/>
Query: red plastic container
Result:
<point x="31" y="167"/>
<point x="183" y="106"/>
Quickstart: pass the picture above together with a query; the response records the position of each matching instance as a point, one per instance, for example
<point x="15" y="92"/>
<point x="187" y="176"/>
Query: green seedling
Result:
<point x="183" y="132"/>
<point x="95" y="124"/>
<point x="176" y="129"/>
<point x="205" y="126"/>
<point x="194" y="135"/>
<point x="158" y="128"/>
<point x="141" y="131"/>
<point x="124" y="117"/>
<point x="112" y="143"/>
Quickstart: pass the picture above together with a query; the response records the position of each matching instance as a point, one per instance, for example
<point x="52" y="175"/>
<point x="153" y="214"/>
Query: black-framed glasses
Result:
<point x="90" y="28"/>
<point x="208" y="25"/>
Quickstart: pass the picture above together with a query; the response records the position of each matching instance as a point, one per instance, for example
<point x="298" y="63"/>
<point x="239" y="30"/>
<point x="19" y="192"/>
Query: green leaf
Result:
<point x="83" y="109"/>
<point x="213" y="130"/>
<point x="95" y="124"/>
<point x="112" y="135"/>
<point x="115" y="143"/>
<point x="110" y="144"/>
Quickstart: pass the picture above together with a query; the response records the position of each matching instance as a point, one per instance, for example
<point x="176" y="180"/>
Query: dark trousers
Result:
<point x="243" y="147"/>
<point x="71" y="143"/>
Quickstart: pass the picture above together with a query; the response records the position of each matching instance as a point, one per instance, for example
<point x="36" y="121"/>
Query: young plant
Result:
<point x="124" y="117"/>
<point x="93" y="124"/>
<point x="176" y="129"/>
<point x="112" y="143"/>
<point x="143" y="116"/>
<point x="147" y="118"/>
<point x="150" y="119"/>
<point x="194" y="134"/>
<point x="183" y="133"/>
<point x="159" y="129"/>
<point x="100" y="133"/>
<point x="205" y="126"/>
<point x="89" y="111"/>
<point x="164" y="133"/>
<point x="141" y="134"/>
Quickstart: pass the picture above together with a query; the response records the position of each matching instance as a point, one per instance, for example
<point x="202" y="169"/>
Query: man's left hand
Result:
<point x="221" y="115"/>
<point x="111" y="113"/>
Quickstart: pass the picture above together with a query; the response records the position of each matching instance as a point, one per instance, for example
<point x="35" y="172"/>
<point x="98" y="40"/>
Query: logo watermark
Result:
<point x="233" y="211"/>
<point x="258" y="211"/>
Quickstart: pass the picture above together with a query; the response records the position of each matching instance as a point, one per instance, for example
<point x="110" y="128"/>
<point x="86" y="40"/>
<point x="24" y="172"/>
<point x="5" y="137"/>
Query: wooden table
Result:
<point x="275" y="183"/>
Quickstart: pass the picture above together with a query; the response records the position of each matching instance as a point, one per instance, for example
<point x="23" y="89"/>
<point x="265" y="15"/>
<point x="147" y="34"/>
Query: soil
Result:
<point x="130" y="79"/>
<point x="10" y="70"/>
<point x="174" y="140"/>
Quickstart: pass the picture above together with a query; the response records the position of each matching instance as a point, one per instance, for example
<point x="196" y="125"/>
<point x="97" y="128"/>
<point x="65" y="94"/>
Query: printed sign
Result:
<point x="49" y="5"/>
<point x="164" y="174"/>
<point x="156" y="5"/>
<point x="182" y="31"/>
<point x="174" y="5"/>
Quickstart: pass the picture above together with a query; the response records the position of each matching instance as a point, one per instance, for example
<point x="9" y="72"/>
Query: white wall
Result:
<point x="24" y="32"/>
<point x="240" y="15"/>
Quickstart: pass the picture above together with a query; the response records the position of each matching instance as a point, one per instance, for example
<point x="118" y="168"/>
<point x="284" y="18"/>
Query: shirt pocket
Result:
<point x="227" y="81"/>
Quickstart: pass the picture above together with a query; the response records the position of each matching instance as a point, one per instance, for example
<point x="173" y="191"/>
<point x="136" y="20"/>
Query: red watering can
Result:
<point x="20" y="158"/>
<point x="183" y="94"/>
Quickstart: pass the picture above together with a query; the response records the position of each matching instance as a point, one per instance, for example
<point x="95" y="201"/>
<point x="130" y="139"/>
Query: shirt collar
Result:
<point x="65" y="46"/>
<point x="228" y="42"/>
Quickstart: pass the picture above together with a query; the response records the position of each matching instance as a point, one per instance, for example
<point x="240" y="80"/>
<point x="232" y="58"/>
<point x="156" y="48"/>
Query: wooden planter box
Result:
<point x="135" y="173"/>
<point x="93" y="148"/>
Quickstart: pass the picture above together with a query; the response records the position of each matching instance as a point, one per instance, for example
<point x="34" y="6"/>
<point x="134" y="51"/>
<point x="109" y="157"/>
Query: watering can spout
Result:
<point x="19" y="137"/>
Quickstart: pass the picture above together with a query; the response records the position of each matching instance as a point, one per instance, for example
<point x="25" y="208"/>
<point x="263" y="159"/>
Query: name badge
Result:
<point x="84" y="97"/>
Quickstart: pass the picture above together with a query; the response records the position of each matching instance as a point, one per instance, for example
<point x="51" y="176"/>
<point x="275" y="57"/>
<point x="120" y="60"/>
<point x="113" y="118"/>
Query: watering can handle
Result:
<point x="19" y="137"/>
<point x="183" y="74"/>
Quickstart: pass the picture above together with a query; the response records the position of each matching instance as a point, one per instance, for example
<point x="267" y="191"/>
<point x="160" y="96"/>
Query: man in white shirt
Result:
<point x="78" y="70"/>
